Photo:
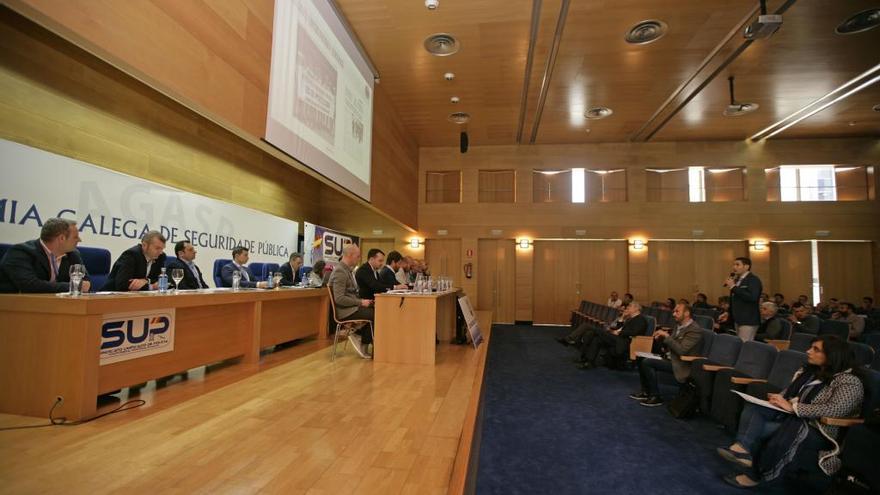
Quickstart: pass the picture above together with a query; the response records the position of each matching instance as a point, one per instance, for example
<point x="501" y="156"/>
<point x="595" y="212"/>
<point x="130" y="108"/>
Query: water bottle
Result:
<point x="163" y="282"/>
<point x="270" y="281"/>
<point x="236" y="280"/>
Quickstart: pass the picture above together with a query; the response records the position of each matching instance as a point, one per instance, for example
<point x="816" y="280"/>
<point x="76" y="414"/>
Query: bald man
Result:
<point x="349" y="305"/>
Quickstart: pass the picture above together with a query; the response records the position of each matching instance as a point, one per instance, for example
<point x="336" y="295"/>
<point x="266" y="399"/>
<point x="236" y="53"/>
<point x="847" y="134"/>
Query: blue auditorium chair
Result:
<point x="755" y="361"/>
<point x="218" y="268"/>
<point x="3" y="249"/>
<point x="259" y="271"/>
<point x="801" y="341"/>
<point x="97" y="262"/>
<point x="787" y="363"/>
<point x="862" y="354"/>
<point x="859" y="446"/>
<point x="723" y="353"/>
<point x="704" y="321"/>
<point x="834" y="327"/>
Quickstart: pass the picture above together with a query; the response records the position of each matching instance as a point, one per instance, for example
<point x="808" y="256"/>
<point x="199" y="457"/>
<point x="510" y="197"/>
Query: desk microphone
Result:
<point x="732" y="274"/>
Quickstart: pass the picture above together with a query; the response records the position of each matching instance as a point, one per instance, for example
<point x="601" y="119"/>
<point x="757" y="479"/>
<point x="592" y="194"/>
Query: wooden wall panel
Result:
<point x="386" y="245"/>
<point x="670" y="270"/>
<point x="713" y="262"/>
<point x="791" y="267"/>
<point x="444" y="258"/>
<point x="845" y="270"/>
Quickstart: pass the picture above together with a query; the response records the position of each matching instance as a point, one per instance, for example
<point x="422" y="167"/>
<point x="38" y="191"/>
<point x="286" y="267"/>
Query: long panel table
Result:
<point x="50" y="345"/>
<point x="408" y="324"/>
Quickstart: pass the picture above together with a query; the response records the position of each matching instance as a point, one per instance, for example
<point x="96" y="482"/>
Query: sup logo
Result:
<point x="132" y="335"/>
<point x="333" y="244"/>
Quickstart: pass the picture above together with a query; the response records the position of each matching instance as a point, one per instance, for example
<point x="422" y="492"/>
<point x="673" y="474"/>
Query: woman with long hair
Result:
<point x="768" y="440"/>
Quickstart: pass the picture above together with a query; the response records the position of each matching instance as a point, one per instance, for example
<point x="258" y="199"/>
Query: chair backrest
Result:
<point x="873" y="340"/>
<point x="725" y="349"/>
<point x="755" y="359"/>
<point x="871" y="382"/>
<point x="3" y="249"/>
<point x="704" y="321"/>
<point x="332" y="305"/>
<point x="304" y="271"/>
<point x="218" y="268"/>
<point x="787" y="363"/>
<point x="786" y="329"/>
<point x="834" y="327"/>
<point x="665" y="318"/>
<point x="170" y="259"/>
<point x="97" y="261"/>
<point x="862" y="354"/>
<point x="710" y="312"/>
<point x="706" y="342"/>
<point x="272" y="267"/>
<point x="801" y="341"/>
<point x="259" y="271"/>
<point x="652" y="324"/>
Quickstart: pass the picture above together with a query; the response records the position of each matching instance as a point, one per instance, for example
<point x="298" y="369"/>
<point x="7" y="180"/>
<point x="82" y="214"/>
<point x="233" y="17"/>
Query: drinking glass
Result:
<point x="276" y="278"/>
<point x="77" y="272"/>
<point x="177" y="276"/>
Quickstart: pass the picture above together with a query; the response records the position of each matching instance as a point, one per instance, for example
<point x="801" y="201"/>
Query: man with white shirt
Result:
<point x="349" y="305"/>
<point x="240" y="256"/>
<point x="614" y="301"/>
<point x="138" y="267"/>
<point x="192" y="276"/>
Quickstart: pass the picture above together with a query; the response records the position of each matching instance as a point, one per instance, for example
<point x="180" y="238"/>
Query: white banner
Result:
<point x="471" y="319"/>
<point x="113" y="210"/>
<point x="133" y="335"/>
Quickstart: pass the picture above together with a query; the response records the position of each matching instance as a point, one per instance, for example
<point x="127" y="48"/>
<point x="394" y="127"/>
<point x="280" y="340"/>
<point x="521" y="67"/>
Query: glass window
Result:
<point x="812" y="183"/>
<point x="606" y="186"/>
<point x="497" y="186"/>
<point x="443" y="187"/>
<point x="552" y="186"/>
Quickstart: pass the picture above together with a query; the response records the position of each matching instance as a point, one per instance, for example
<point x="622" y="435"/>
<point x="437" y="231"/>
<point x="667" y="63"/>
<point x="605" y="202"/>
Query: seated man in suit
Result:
<point x="138" y="267"/>
<point x="367" y="276"/>
<point x="802" y="320"/>
<point x="771" y="324"/>
<point x="349" y="306"/>
<point x="388" y="273"/>
<point x="43" y="265"/>
<point x="684" y="340"/>
<point x="616" y="338"/>
<point x="240" y="256"/>
<point x="290" y="271"/>
<point x="192" y="276"/>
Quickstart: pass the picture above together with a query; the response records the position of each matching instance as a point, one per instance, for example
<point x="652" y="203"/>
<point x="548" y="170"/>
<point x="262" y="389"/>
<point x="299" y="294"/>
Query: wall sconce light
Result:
<point x="638" y="244"/>
<point x="758" y="245"/>
<point x="415" y="242"/>
<point x="524" y="243"/>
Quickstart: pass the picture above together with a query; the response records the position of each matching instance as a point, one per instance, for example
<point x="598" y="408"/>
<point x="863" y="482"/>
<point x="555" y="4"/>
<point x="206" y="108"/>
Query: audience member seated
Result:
<point x="616" y="339"/>
<point x="802" y="320"/>
<point x="43" y="265"/>
<point x="388" y="273"/>
<point x="771" y="327"/>
<point x="669" y="304"/>
<point x="627" y="299"/>
<point x="868" y="307"/>
<point x="240" y="257"/>
<point x="406" y="274"/>
<point x="349" y="306"/>
<point x="768" y="441"/>
<point x="684" y="340"/>
<point x="803" y="299"/>
<point x="614" y="301"/>
<point x="846" y="312"/>
<point x="702" y="302"/>
<point x="139" y="266"/>
<point x="781" y="305"/>
<point x="724" y="323"/>
<point x="290" y="271"/>
<point x="317" y="277"/>
<point x="826" y="309"/>
<point x="577" y="336"/>
<point x="367" y="276"/>
<point x="764" y="298"/>
<point x="192" y="276"/>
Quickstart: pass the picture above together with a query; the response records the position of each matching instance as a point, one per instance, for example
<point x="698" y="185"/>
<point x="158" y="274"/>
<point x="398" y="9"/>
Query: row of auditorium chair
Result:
<point x="98" y="263"/>
<point x="724" y="362"/>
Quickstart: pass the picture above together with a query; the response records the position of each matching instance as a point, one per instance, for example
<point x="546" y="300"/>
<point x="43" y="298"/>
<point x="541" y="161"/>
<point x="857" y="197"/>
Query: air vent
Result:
<point x="597" y="113"/>
<point x="459" y="117"/>
<point x="442" y="44"/>
<point x="737" y="109"/>
<point x="645" y="32"/>
<point x="863" y="21"/>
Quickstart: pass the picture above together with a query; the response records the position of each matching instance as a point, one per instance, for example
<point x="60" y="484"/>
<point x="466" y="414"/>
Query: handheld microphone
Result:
<point x="732" y="274"/>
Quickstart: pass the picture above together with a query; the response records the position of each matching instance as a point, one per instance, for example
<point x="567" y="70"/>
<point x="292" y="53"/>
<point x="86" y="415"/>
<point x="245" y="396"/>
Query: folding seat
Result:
<point x="787" y="363"/>
<point x="801" y="341"/>
<point x="578" y="315"/>
<point x="834" y="327"/>
<point x="704" y="322"/>
<point x="755" y="361"/>
<point x="723" y="353"/>
<point x="652" y="324"/>
<point x="862" y="354"/>
<point x="785" y="341"/>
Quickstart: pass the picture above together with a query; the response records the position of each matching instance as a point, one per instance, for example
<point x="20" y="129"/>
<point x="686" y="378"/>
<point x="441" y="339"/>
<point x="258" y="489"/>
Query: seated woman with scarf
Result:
<point x="768" y="440"/>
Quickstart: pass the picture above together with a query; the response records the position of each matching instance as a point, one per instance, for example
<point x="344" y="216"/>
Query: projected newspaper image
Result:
<point x="314" y="101"/>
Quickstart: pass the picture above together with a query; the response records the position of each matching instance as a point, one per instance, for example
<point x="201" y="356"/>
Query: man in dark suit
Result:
<point x="192" y="276"/>
<point x="240" y="257"/>
<point x="616" y="338"/>
<point x="388" y="273"/>
<point x="138" y="267"/>
<point x="43" y="265"/>
<point x="745" y="295"/>
<point x="290" y="271"/>
<point x="683" y="341"/>
<point x="367" y="276"/>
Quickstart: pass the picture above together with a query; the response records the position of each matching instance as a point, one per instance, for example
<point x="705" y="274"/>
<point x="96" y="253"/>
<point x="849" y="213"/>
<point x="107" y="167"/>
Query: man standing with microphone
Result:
<point x="745" y="294"/>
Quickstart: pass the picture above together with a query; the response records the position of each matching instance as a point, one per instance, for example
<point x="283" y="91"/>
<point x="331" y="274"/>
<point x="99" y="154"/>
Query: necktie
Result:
<point x="376" y="274"/>
<point x="53" y="264"/>
<point x="244" y="274"/>
<point x="149" y="265"/>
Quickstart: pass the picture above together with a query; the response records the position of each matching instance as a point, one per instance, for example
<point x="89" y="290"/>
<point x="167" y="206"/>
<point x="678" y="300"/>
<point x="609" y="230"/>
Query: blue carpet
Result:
<point x="548" y="427"/>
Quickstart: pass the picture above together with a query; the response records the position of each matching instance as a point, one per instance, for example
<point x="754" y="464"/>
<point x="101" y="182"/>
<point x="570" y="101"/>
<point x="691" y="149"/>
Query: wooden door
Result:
<point x="602" y="268"/>
<point x="557" y="288"/>
<point x="496" y="278"/>
<point x="791" y="264"/>
<point x="386" y="245"/>
<point x="444" y="259"/>
<point x="846" y="271"/>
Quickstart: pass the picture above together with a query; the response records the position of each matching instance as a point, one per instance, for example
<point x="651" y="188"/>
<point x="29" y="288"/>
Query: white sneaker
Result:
<point x="356" y="343"/>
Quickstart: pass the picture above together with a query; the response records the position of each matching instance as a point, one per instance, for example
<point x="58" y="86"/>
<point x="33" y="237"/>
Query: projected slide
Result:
<point x="320" y="94"/>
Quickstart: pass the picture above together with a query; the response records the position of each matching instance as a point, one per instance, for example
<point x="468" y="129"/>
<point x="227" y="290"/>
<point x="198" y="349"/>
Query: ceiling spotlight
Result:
<point x="459" y="118"/>
<point x="876" y="107"/>
<point x="441" y="44"/>
<point x="597" y="113"/>
<point x="432" y="4"/>
<point x="735" y="109"/>
<point x="857" y="23"/>
<point x="454" y="100"/>
<point x="646" y="32"/>
<point x="449" y="76"/>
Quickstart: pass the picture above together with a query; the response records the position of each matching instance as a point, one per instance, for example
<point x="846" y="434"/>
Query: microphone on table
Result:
<point x="732" y="274"/>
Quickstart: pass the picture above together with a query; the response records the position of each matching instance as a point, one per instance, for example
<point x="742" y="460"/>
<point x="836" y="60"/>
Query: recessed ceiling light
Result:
<point x="858" y="23"/>
<point x="588" y="130"/>
<point x="459" y="117"/>
<point x="454" y="100"/>
<point x="876" y="107"/>
<point x="442" y="44"/>
<point x="852" y="123"/>
<point x="646" y="32"/>
<point x="449" y="76"/>
<point x="737" y="109"/>
<point x="597" y="113"/>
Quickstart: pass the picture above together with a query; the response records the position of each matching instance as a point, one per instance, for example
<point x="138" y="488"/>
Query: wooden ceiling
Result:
<point x="668" y="90"/>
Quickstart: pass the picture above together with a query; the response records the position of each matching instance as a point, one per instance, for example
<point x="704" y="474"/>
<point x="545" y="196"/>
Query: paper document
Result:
<point x="648" y="355"/>
<point x="760" y="402"/>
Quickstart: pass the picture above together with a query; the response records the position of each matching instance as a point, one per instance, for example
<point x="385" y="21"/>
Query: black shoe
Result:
<point x="639" y="396"/>
<point x="653" y="401"/>
<point x="586" y="365"/>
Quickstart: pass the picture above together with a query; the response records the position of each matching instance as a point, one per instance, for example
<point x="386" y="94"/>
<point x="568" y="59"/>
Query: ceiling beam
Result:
<point x="548" y="70"/>
<point x="533" y="39"/>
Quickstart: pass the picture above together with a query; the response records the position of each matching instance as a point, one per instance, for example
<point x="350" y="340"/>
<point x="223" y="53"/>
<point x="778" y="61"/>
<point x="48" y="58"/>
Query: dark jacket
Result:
<point x="230" y="268"/>
<point x="25" y="268"/>
<point x="368" y="282"/>
<point x="637" y="325"/>
<point x="130" y="265"/>
<point x="771" y="329"/>
<point x="387" y="276"/>
<point x="287" y="275"/>
<point x="744" y="301"/>
<point x="683" y="341"/>
<point x="189" y="280"/>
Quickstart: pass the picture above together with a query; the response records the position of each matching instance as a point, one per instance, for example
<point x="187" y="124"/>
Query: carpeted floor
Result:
<point x="548" y="427"/>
